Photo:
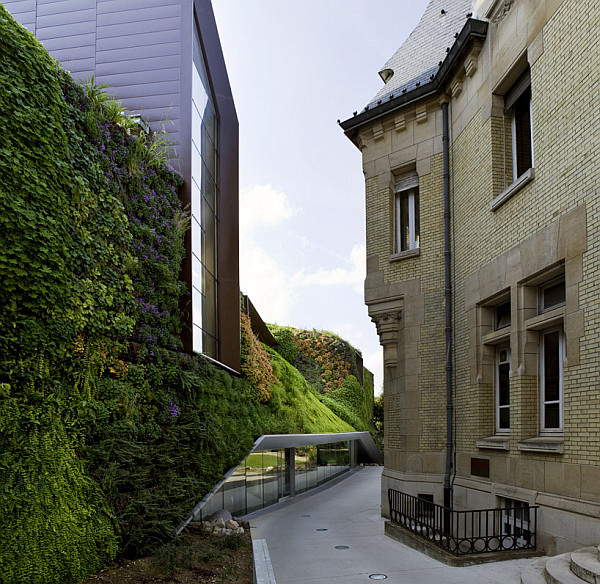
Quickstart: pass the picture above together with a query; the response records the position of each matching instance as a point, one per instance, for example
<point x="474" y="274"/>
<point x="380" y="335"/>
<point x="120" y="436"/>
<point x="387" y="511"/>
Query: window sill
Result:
<point x="497" y="337"/>
<point x="512" y="189"/>
<point x="402" y="255"/>
<point x="549" y="444"/>
<point x="493" y="443"/>
<point x="546" y="319"/>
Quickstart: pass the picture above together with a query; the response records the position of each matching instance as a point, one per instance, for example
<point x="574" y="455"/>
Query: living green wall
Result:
<point x="109" y="434"/>
<point x="329" y="364"/>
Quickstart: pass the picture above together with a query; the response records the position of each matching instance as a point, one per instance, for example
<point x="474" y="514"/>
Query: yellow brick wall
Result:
<point x="566" y="126"/>
<point x="565" y="81"/>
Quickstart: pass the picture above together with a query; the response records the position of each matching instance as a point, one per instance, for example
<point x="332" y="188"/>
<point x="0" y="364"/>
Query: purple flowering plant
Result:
<point x="148" y="187"/>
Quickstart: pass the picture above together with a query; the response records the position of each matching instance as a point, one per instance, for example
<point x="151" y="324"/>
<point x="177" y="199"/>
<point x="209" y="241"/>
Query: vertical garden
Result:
<point x="109" y="433"/>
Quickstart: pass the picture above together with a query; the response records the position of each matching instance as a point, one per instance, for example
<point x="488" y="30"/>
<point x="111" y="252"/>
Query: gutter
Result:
<point x="472" y="30"/>
<point x="448" y="303"/>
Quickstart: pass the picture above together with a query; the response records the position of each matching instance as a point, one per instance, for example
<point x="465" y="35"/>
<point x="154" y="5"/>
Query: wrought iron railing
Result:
<point x="466" y="532"/>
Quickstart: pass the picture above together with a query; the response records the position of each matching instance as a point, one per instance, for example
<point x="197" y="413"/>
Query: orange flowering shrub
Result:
<point x="323" y="350"/>
<point x="256" y="365"/>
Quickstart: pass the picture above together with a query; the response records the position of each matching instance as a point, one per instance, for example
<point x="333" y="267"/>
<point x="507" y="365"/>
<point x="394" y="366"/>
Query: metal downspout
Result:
<point x="448" y="303"/>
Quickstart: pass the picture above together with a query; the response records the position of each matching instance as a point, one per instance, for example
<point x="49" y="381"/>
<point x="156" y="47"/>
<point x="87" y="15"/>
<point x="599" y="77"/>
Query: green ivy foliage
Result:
<point x="56" y="525"/>
<point x="63" y="239"/>
<point x="163" y="434"/>
<point x="286" y="346"/>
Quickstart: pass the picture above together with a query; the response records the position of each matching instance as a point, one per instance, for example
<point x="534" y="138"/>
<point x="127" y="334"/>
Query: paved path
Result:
<point x="349" y="511"/>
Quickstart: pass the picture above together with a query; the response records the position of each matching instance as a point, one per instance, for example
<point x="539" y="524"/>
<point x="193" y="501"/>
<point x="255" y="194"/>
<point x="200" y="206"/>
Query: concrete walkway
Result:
<point x="349" y="510"/>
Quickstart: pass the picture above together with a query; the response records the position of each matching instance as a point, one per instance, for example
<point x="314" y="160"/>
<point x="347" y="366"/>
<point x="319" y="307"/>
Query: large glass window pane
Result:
<point x="196" y="237"/>
<point x="197" y="272"/>
<point x="254" y="491"/>
<point x="234" y="492"/>
<point x="196" y="339"/>
<point x="270" y="477"/>
<point x="209" y="153"/>
<point x="214" y="504"/>
<point x="196" y="306"/>
<point x="204" y="188"/>
<point x="198" y="59"/>
<point x="209" y="312"/>
<point x="210" y="121"/>
<point x="209" y="188"/>
<point x="300" y="469"/>
<point x="196" y="165"/>
<point x="209" y="244"/>
<point x="310" y="454"/>
<point x="209" y="345"/>
<point x="196" y="130"/>
<point x="196" y="201"/>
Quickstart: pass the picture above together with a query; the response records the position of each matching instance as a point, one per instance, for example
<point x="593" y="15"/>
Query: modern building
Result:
<point x="162" y="59"/>
<point x="481" y="158"/>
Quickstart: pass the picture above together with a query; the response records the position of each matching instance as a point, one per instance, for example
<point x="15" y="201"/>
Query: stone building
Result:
<point x="481" y="158"/>
<point x="162" y="59"/>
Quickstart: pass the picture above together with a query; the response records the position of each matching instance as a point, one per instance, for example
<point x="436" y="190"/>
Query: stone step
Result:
<point x="558" y="570"/>
<point x="585" y="564"/>
<point x="534" y="573"/>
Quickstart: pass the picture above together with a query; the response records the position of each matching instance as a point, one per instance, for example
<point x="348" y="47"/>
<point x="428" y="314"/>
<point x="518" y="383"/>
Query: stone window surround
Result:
<point x="406" y="171"/>
<point x="520" y="271"/>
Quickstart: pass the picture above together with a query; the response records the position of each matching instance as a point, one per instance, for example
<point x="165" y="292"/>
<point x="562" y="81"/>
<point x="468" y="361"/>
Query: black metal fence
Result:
<point x="466" y="532"/>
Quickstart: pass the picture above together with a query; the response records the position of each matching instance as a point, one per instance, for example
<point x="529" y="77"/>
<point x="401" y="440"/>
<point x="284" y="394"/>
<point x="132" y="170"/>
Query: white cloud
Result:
<point x="266" y="284"/>
<point x="262" y="205"/>
<point x="337" y="276"/>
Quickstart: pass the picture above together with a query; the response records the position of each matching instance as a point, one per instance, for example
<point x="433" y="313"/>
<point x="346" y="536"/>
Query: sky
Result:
<point x="295" y="68"/>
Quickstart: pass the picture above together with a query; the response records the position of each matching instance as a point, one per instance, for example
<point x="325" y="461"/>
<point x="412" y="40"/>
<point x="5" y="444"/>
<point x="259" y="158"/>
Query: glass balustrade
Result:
<point x="265" y="477"/>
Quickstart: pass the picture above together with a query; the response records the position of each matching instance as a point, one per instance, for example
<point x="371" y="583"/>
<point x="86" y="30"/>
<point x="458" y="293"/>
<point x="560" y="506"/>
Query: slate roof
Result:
<point x="418" y="57"/>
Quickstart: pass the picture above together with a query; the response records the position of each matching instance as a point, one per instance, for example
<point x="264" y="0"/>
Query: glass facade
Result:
<point x="204" y="187"/>
<point x="263" y="478"/>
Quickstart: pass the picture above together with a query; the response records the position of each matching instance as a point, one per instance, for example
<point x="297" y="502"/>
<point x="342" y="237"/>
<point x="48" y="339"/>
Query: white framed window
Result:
<point x="517" y="102"/>
<point x="552" y="295"/>
<point x="407" y="219"/>
<point x="502" y="383"/>
<point x="552" y="355"/>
